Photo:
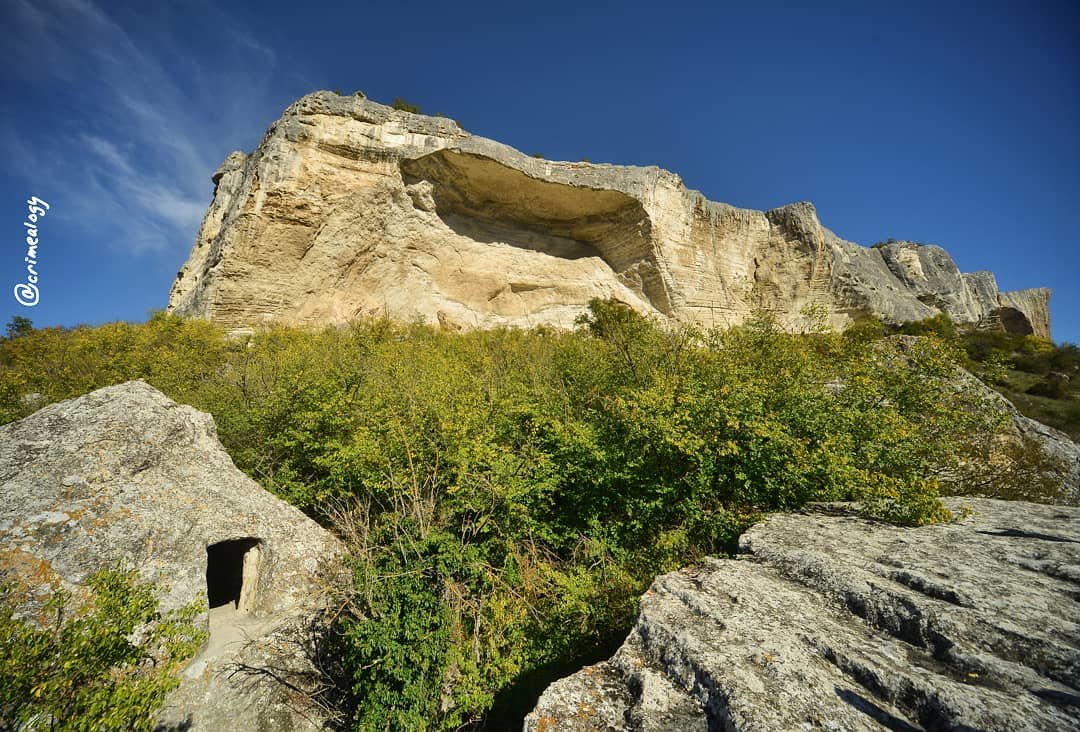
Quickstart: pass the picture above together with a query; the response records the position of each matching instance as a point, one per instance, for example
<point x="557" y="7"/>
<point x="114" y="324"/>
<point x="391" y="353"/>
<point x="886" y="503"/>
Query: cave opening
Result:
<point x="1014" y="321"/>
<point x="491" y="202"/>
<point x="232" y="574"/>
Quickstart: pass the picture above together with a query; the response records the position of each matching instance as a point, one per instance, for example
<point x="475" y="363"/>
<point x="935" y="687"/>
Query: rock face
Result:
<point x="124" y="474"/>
<point x="834" y="622"/>
<point x="1055" y="443"/>
<point x="351" y="208"/>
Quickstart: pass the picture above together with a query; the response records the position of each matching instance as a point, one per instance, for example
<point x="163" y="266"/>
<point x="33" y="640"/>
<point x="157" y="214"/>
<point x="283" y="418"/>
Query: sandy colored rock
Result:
<point x="833" y="622"/>
<point x="351" y="208"/>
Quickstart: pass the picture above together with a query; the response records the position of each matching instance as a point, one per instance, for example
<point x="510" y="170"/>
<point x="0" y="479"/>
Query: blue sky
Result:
<point x="951" y="123"/>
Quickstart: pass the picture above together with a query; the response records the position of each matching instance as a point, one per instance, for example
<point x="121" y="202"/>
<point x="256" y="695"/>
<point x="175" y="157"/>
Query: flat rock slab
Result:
<point x="836" y="622"/>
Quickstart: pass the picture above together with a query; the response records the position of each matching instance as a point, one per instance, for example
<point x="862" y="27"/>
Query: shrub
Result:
<point x="405" y="106"/>
<point x="1066" y="358"/>
<point x="940" y="326"/>
<point x="507" y="495"/>
<point x="1052" y="387"/>
<point x="1038" y="376"/>
<point x="109" y="667"/>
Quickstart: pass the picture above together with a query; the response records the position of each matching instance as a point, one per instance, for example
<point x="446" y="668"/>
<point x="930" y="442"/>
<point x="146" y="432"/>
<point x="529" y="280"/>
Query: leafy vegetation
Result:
<point x="19" y="326"/>
<point x="106" y="667"/>
<point x="1040" y="377"/>
<point x="405" y="106"/>
<point x="507" y="495"/>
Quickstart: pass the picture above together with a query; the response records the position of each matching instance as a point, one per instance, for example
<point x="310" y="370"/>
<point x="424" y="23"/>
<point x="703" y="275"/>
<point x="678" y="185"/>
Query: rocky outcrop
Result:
<point x="1021" y="309"/>
<point x="1061" y="465"/>
<point x="351" y="208"/>
<point x="126" y="475"/>
<point x="835" y="622"/>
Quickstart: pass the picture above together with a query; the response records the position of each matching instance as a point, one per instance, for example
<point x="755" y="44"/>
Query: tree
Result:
<point x="19" y="326"/>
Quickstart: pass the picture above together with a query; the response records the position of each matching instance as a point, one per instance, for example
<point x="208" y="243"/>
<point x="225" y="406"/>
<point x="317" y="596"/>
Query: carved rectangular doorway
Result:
<point x="232" y="573"/>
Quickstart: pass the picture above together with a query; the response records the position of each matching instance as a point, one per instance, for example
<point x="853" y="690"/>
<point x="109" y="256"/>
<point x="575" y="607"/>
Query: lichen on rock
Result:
<point x="830" y="621"/>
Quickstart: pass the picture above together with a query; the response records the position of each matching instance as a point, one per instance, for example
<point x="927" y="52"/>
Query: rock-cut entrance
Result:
<point x="232" y="574"/>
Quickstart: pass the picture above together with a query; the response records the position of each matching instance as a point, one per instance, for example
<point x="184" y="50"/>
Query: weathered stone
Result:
<point x="1023" y="308"/>
<point x="835" y="622"/>
<point x="351" y="208"/>
<point x="125" y="475"/>
<point x="991" y="453"/>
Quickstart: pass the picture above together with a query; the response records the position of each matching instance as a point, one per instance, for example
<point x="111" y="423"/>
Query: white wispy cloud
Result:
<point x="109" y="154"/>
<point x="149" y="118"/>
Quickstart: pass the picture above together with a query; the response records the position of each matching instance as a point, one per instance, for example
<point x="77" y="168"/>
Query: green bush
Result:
<point x="404" y="106"/>
<point x="507" y="495"/>
<point x="108" y="667"/>
<point x="1041" y="378"/>
<point x="940" y="326"/>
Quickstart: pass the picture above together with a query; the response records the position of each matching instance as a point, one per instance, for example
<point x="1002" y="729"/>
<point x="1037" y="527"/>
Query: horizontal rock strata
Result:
<point x="351" y="208"/>
<point x="835" y="622"/>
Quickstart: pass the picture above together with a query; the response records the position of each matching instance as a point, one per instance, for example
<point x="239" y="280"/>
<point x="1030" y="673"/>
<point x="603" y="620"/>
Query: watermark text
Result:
<point x="27" y="293"/>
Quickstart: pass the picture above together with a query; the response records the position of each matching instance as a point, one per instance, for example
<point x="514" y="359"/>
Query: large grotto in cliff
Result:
<point x="350" y="208"/>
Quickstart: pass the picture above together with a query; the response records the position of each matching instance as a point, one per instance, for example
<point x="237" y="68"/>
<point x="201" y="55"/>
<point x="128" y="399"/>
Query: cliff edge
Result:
<point x="350" y="208"/>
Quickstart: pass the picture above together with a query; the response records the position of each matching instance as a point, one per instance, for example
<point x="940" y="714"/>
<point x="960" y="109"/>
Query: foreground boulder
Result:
<point x="835" y="622"/>
<point x="350" y="208"/>
<point x="124" y="474"/>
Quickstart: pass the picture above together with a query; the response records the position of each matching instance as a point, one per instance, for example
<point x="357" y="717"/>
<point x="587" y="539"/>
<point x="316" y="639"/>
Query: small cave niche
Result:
<point x="1014" y="321"/>
<point x="232" y="574"/>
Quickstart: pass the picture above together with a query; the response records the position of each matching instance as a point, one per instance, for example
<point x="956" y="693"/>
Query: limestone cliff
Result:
<point x="350" y="208"/>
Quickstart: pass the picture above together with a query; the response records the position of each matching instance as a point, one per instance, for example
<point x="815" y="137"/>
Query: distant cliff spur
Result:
<point x="351" y="208"/>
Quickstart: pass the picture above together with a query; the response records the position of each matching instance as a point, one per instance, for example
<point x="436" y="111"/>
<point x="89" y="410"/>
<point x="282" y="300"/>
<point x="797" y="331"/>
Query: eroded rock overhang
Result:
<point x="487" y="200"/>
<point x="650" y="239"/>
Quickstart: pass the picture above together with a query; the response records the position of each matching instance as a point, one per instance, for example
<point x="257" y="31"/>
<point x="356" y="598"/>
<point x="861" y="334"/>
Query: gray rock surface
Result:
<point x="124" y="474"/>
<point x="1058" y="445"/>
<point x="828" y="621"/>
<point x="350" y="208"/>
<point x="1064" y="473"/>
